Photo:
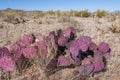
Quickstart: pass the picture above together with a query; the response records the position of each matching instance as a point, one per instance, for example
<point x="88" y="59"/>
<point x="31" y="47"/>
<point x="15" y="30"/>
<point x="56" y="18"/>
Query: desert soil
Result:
<point x="97" y="28"/>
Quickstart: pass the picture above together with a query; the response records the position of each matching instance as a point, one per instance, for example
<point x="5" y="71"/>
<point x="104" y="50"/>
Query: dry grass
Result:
<point x="35" y="14"/>
<point x="115" y="28"/>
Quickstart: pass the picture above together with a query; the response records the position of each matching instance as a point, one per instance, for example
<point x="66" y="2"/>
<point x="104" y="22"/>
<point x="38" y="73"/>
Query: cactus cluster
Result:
<point x="68" y="49"/>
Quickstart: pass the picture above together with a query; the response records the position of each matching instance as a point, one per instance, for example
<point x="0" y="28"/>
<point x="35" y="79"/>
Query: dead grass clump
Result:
<point x="52" y="13"/>
<point x="14" y="20"/>
<point x="115" y="28"/>
<point x="117" y="18"/>
<point x="85" y="13"/>
<point x="1" y="14"/>
<point x="64" y="19"/>
<point x="1" y="26"/>
<point x="82" y="13"/>
<point x="58" y="13"/>
<point x="111" y="18"/>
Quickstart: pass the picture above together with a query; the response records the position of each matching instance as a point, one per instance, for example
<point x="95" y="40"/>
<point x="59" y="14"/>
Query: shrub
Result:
<point x="100" y="13"/>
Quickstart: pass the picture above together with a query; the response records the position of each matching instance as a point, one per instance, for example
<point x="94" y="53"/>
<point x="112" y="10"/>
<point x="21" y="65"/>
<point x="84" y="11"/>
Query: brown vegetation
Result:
<point x="115" y="28"/>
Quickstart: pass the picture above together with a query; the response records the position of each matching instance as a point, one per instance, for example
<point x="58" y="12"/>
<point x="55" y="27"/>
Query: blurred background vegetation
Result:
<point x="14" y="16"/>
<point x="82" y="13"/>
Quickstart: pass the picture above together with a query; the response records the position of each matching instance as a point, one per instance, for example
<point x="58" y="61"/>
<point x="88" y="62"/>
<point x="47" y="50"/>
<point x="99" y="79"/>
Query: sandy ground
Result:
<point x="96" y="28"/>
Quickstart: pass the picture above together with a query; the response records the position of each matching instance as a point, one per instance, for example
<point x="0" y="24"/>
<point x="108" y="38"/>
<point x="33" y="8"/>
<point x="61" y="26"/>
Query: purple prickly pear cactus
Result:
<point x="29" y="52"/>
<point x="7" y="63"/>
<point x="63" y="61"/>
